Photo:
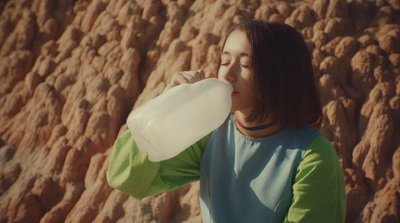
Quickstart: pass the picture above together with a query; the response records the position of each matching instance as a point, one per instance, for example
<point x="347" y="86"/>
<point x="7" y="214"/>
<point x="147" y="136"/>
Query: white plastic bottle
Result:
<point x="176" y="119"/>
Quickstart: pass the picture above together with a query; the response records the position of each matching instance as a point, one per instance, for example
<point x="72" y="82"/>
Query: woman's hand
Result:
<point x="188" y="77"/>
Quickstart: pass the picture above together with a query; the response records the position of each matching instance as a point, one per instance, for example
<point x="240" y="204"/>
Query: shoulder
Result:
<point x="319" y="165"/>
<point x="320" y="149"/>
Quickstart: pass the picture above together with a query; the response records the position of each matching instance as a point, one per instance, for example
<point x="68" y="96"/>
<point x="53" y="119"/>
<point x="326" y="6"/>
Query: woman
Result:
<point x="266" y="163"/>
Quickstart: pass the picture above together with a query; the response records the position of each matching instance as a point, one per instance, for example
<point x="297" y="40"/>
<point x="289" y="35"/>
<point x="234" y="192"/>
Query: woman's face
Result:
<point x="236" y="68"/>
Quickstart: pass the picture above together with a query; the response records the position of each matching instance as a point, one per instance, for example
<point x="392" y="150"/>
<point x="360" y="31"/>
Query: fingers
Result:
<point x="178" y="79"/>
<point x="187" y="77"/>
<point x="193" y="76"/>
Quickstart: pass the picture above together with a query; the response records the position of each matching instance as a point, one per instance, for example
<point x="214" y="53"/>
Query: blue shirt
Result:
<point x="245" y="179"/>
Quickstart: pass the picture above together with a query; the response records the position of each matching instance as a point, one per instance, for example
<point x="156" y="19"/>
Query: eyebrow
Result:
<point x="241" y="54"/>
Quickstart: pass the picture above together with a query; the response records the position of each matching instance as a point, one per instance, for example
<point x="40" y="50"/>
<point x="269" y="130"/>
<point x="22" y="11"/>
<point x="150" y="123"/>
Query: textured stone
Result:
<point x="72" y="71"/>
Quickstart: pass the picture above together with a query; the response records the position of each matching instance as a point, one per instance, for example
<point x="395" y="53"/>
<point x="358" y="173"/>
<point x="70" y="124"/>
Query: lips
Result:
<point x="234" y="93"/>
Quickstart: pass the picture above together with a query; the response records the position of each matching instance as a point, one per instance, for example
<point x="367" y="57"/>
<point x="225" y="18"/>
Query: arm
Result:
<point x="319" y="190"/>
<point x="131" y="172"/>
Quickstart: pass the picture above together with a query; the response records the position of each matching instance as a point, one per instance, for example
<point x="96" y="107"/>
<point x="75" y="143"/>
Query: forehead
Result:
<point x="237" y="42"/>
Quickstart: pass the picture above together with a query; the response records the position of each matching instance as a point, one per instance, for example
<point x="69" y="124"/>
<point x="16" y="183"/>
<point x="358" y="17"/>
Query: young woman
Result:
<point x="266" y="163"/>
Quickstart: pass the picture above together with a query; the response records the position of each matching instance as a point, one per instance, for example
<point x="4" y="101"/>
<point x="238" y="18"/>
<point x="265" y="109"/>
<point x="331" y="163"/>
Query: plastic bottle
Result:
<point x="176" y="119"/>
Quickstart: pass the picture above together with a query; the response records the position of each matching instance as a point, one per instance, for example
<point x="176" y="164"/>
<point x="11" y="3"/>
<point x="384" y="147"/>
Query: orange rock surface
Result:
<point x="71" y="71"/>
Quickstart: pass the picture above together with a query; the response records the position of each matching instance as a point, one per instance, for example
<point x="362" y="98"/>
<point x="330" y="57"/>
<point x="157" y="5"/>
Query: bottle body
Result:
<point x="176" y="119"/>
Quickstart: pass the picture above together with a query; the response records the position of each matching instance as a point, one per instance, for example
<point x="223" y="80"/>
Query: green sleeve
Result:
<point x="318" y="190"/>
<point x="131" y="172"/>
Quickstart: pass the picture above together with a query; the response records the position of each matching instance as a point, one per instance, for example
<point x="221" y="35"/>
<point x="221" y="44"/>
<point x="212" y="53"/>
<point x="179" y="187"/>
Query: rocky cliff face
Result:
<point x="71" y="71"/>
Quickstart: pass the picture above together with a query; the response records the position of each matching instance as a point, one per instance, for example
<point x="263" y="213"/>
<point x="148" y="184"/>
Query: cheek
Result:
<point x="248" y="77"/>
<point x="249" y="93"/>
<point x="248" y="83"/>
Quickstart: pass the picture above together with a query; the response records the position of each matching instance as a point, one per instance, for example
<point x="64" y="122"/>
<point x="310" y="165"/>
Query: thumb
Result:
<point x="209" y="74"/>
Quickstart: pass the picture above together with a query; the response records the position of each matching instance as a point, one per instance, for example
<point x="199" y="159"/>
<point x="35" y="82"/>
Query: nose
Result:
<point x="228" y="73"/>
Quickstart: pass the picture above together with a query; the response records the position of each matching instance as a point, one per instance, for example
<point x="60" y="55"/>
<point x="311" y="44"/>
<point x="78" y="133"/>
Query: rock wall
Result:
<point x="71" y="71"/>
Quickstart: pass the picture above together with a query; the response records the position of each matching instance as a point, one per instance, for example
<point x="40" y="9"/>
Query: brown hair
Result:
<point x="284" y="85"/>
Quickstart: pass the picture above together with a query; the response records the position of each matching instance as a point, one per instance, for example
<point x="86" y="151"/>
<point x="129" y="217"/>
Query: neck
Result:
<point x="257" y="129"/>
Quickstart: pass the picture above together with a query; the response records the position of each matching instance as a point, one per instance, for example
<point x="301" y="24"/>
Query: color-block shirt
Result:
<point x="292" y="176"/>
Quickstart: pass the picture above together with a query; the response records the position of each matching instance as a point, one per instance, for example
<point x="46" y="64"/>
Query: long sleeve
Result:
<point x="131" y="172"/>
<point x="319" y="190"/>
